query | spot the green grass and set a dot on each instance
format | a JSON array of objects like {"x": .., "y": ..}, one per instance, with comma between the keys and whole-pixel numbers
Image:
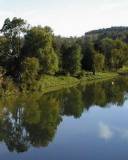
[
  {"x": 51, "y": 83},
  {"x": 99, "y": 76},
  {"x": 123, "y": 70}
]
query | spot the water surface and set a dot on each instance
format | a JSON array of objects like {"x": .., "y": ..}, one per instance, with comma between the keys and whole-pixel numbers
[{"x": 86, "y": 122}]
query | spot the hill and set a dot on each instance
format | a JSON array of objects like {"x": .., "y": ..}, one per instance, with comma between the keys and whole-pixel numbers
[{"x": 113, "y": 32}]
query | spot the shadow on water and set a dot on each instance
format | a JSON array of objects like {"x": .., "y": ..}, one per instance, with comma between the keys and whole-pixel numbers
[{"x": 32, "y": 120}]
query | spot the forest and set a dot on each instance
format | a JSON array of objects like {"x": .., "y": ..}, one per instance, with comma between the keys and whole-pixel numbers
[{"x": 28, "y": 54}]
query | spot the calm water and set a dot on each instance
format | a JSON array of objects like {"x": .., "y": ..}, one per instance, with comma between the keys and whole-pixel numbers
[{"x": 83, "y": 123}]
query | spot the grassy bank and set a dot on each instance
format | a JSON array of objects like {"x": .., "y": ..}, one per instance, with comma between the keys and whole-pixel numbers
[
  {"x": 98, "y": 77},
  {"x": 51, "y": 83},
  {"x": 123, "y": 71}
]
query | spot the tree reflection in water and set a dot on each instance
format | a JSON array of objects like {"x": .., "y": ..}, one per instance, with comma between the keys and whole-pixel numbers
[{"x": 32, "y": 119}]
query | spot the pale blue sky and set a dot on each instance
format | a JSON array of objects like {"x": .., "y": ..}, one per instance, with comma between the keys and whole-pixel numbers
[{"x": 68, "y": 17}]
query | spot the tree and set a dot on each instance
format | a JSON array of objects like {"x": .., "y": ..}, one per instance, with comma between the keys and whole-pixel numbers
[
  {"x": 107, "y": 45},
  {"x": 57, "y": 44},
  {"x": 48, "y": 60},
  {"x": 35, "y": 39},
  {"x": 76, "y": 59},
  {"x": 71, "y": 58},
  {"x": 12, "y": 31},
  {"x": 3, "y": 50},
  {"x": 39, "y": 44},
  {"x": 88, "y": 57},
  {"x": 117, "y": 58},
  {"x": 99, "y": 61},
  {"x": 30, "y": 71},
  {"x": 118, "y": 53}
]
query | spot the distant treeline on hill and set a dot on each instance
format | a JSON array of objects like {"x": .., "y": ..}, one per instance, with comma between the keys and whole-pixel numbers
[{"x": 113, "y": 32}]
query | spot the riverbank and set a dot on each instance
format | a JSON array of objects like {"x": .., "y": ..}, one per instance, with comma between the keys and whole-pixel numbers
[
  {"x": 123, "y": 71},
  {"x": 51, "y": 83}
]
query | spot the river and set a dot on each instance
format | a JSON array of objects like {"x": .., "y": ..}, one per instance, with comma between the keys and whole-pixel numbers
[{"x": 87, "y": 122}]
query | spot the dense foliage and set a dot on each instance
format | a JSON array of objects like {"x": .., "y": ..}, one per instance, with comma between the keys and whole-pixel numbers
[{"x": 27, "y": 53}]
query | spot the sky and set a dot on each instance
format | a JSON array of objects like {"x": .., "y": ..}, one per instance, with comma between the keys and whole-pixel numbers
[{"x": 67, "y": 17}]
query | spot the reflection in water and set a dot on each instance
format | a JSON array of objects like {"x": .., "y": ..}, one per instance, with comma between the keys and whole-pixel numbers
[
  {"x": 105, "y": 131},
  {"x": 32, "y": 120}
]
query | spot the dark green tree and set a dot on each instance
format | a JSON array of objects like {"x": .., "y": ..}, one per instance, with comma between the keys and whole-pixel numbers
[
  {"x": 88, "y": 57},
  {"x": 107, "y": 45},
  {"x": 12, "y": 31},
  {"x": 39, "y": 44},
  {"x": 71, "y": 59}
]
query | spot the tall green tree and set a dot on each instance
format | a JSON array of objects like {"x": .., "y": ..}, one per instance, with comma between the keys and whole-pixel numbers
[
  {"x": 107, "y": 45},
  {"x": 88, "y": 57},
  {"x": 13, "y": 31},
  {"x": 30, "y": 72},
  {"x": 48, "y": 60},
  {"x": 116, "y": 53},
  {"x": 71, "y": 58},
  {"x": 39, "y": 44},
  {"x": 3, "y": 50},
  {"x": 99, "y": 61}
]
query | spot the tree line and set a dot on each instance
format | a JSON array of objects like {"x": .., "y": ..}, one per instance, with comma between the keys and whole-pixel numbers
[{"x": 27, "y": 52}]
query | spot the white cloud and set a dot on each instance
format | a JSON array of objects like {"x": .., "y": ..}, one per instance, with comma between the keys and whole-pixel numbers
[{"x": 105, "y": 132}]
